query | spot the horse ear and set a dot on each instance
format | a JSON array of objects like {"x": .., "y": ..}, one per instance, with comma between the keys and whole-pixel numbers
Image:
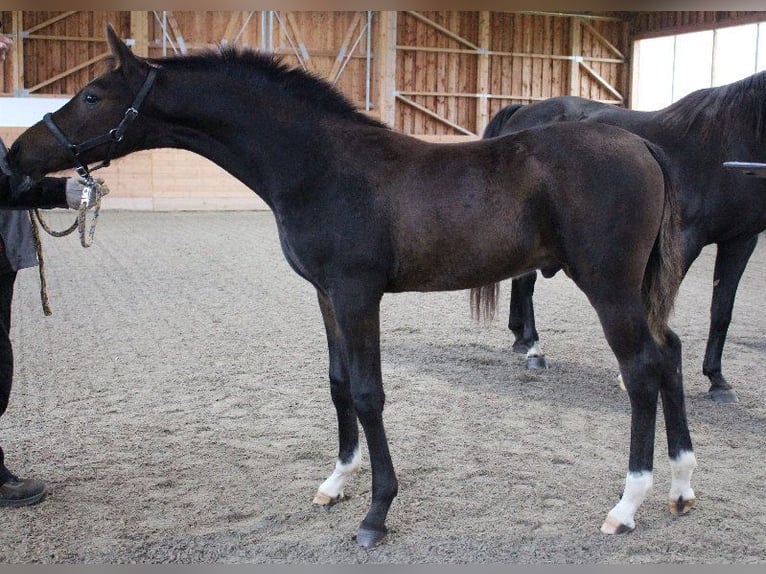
[{"x": 120, "y": 51}]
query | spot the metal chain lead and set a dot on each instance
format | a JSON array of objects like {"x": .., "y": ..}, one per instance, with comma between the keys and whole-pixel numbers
[{"x": 86, "y": 239}]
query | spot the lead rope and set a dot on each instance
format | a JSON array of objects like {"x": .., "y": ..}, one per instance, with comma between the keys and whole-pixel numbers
[{"x": 86, "y": 239}]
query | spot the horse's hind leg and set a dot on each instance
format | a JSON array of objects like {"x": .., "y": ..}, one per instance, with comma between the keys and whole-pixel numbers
[
  {"x": 680, "y": 450},
  {"x": 349, "y": 458},
  {"x": 730, "y": 262},
  {"x": 521, "y": 321},
  {"x": 641, "y": 364}
]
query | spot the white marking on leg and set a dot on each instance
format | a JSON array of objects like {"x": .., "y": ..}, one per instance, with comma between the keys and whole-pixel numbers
[
  {"x": 681, "y": 470},
  {"x": 535, "y": 350},
  {"x": 637, "y": 486},
  {"x": 332, "y": 489}
]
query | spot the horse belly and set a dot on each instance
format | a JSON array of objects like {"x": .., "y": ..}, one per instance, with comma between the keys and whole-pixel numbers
[{"x": 465, "y": 255}]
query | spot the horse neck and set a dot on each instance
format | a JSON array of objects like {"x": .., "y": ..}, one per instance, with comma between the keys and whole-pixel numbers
[{"x": 268, "y": 152}]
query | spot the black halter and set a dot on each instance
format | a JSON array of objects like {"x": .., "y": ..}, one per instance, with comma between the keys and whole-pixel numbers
[{"x": 111, "y": 137}]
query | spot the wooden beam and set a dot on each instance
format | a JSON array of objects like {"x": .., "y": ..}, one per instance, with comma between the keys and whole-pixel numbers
[
  {"x": 602, "y": 81},
  {"x": 442, "y": 29},
  {"x": 603, "y": 40},
  {"x": 17, "y": 55},
  {"x": 386, "y": 60},
  {"x": 404, "y": 48},
  {"x": 434, "y": 115},
  {"x": 65, "y": 73},
  {"x": 575, "y": 49},
  {"x": 482, "y": 72},
  {"x": 50, "y": 21},
  {"x": 139, "y": 31}
]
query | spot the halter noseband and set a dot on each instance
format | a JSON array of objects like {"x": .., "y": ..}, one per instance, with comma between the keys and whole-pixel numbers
[{"x": 112, "y": 137}]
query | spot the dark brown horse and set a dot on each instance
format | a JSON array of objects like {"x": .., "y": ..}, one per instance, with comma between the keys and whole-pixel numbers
[
  {"x": 718, "y": 205},
  {"x": 362, "y": 210}
]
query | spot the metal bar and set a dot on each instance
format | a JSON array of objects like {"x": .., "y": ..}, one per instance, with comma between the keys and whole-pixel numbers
[
  {"x": 245, "y": 24},
  {"x": 344, "y": 48}
]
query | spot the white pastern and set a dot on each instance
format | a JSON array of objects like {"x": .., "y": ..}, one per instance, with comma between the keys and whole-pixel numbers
[
  {"x": 681, "y": 470},
  {"x": 332, "y": 489},
  {"x": 637, "y": 486},
  {"x": 535, "y": 350}
]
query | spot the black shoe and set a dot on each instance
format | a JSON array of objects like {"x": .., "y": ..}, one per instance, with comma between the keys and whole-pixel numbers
[{"x": 16, "y": 492}]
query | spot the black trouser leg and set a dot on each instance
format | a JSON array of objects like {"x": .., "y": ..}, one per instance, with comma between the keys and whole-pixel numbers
[{"x": 7, "y": 279}]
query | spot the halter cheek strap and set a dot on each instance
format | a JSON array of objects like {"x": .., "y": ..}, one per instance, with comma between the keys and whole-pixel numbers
[{"x": 112, "y": 137}]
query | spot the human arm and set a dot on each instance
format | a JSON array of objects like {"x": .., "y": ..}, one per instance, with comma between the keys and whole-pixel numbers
[{"x": 47, "y": 193}]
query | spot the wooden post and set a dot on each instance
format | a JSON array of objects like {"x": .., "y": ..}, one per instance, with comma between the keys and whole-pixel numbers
[
  {"x": 387, "y": 67},
  {"x": 17, "y": 56},
  {"x": 139, "y": 31},
  {"x": 482, "y": 81},
  {"x": 576, "y": 52}
]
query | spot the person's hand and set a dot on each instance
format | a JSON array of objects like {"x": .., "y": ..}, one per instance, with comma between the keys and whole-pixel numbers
[
  {"x": 5, "y": 45},
  {"x": 78, "y": 192}
]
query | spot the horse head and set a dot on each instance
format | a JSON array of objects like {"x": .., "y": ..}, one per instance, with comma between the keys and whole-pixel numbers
[{"x": 93, "y": 125}]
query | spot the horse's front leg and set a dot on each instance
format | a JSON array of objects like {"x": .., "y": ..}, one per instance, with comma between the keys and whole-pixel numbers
[
  {"x": 357, "y": 314},
  {"x": 349, "y": 458},
  {"x": 730, "y": 262}
]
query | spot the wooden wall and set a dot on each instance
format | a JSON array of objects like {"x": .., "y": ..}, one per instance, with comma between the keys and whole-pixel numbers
[{"x": 438, "y": 75}]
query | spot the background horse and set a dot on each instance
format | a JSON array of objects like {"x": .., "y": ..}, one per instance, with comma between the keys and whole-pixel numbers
[
  {"x": 718, "y": 205},
  {"x": 362, "y": 210}
]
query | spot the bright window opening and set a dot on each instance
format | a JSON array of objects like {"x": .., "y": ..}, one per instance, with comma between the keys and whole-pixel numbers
[{"x": 669, "y": 68}]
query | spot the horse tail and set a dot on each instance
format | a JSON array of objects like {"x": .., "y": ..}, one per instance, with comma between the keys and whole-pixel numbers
[
  {"x": 495, "y": 126},
  {"x": 664, "y": 270},
  {"x": 484, "y": 301}
]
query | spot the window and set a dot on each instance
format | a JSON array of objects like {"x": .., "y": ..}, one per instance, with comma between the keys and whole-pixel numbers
[{"x": 669, "y": 68}]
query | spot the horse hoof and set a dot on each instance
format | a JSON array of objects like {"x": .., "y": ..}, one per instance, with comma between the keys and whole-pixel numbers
[
  {"x": 537, "y": 362},
  {"x": 613, "y": 526},
  {"x": 322, "y": 499},
  {"x": 723, "y": 396},
  {"x": 680, "y": 507},
  {"x": 369, "y": 537},
  {"x": 520, "y": 347}
]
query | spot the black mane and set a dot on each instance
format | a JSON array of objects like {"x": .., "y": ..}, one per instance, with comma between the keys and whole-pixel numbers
[
  {"x": 723, "y": 106},
  {"x": 258, "y": 67}
]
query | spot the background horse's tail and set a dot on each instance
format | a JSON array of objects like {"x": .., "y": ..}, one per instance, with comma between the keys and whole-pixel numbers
[
  {"x": 664, "y": 270},
  {"x": 495, "y": 125},
  {"x": 484, "y": 301}
]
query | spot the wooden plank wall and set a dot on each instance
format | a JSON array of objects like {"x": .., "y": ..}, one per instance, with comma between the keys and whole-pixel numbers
[{"x": 450, "y": 71}]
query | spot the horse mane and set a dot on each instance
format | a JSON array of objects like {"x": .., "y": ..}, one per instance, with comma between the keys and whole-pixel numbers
[
  {"x": 265, "y": 68},
  {"x": 721, "y": 112}
]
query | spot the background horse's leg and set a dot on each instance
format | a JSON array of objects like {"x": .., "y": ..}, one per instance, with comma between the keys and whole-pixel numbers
[
  {"x": 357, "y": 312},
  {"x": 680, "y": 450},
  {"x": 349, "y": 458},
  {"x": 730, "y": 262},
  {"x": 641, "y": 364},
  {"x": 521, "y": 321}
]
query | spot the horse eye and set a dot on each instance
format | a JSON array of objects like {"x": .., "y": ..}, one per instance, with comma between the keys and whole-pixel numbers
[{"x": 90, "y": 98}]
